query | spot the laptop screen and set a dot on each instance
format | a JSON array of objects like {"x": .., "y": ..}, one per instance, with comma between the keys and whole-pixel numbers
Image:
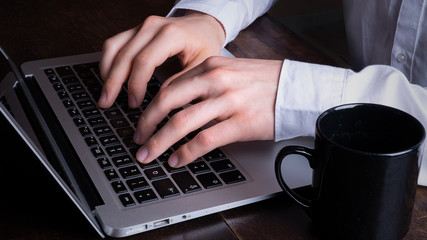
[{"x": 21, "y": 106}]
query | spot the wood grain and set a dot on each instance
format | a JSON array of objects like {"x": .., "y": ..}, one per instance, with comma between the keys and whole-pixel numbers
[{"x": 33, "y": 207}]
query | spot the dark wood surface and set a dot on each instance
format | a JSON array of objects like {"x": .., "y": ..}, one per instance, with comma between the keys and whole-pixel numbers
[{"x": 32, "y": 206}]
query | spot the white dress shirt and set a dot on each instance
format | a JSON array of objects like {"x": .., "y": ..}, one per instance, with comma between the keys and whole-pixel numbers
[{"x": 387, "y": 41}]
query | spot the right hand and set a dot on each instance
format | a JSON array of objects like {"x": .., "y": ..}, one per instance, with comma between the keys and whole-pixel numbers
[{"x": 135, "y": 53}]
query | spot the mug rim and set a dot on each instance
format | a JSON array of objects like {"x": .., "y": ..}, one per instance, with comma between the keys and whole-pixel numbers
[{"x": 353, "y": 105}]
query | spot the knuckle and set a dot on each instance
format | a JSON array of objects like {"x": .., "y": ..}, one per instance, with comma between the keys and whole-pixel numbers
[
  {"x": 151, "y": 21},
  {"x": 122, "y": 54},
  {"x": 219, "y": 73},
  {"x": 179, "y": 120},
  {"x": 160, "y": 101},
  {"x": 205, "y": 139},
  {"x": 108, "y": 44},
  {"x": 163, "y": 94},
  {"x": 153, "y": 144},
  {"x": 211, "y": 61},
  {"x": 141, "y": 59},
  {"x": 186, "y": 155},
  {"x": 233, "y": 99},
  {"x": 170, "y": 29}
]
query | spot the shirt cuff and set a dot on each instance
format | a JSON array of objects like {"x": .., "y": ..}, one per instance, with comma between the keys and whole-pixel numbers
[
  {"x": 305, "y": 91},
  {"x": 233, "y": 15}
]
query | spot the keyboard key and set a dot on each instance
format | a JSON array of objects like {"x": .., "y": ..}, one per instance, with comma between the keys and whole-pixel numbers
[
  {"x": 109, "y": 140},
  {"x": 232, "y": 177},
  {"x": 75, "y": 88},
  {"x": 149, "y": 165},
  {"x": 165, "y": 156},
  {"x": 114, "y": 113},
  {"x": 126, "y": 200},
  {"x": 214, "y": 155},
  {"x": 119, "y": 187},
  {"x": 58, "y": 86},
  {"x": 91, "y": 141},
  {"x": 115, "y": 150},
  {"x": 70, "y": 80},
  {"x": 111, "y": 174},
  {"x": 144, "y": 196},
  {"x": 125, "y": 132},
  {"x": 64, "y": 71},
  {"x": 85, "y": 131},
  {"x": 49, "y": 72},
  {"x": 137, "y": 183},
  {"x": 130, "y": 172},
  {"x": 68, "y": 103},
  {"x": 119, "y": 123},
  {"x": 62, "y": 94},
  {"x": 133, "y": 117},
  {"x": 101, "y": 131},
  {"x": 128, "y": 141},
  {"x": 85, "y": 104},
  {"x": 97, "y": 121},
  {"x": 93, "y": 112},
  {"x": 222, "y": 166},
  {"x": 172, "y": 169},
  {"x": 198, "y": 167},
  {"x": 186, "y": 182},
  {"x": 79, "y": 121},
  {"x": 155, "y": 173},
  {"x": 73, "y": 112},
  {"x": 104, "y": 163},
  {"x": 122, "y": 161},
  {"x": 97, "y": 152},
  {"x": 165, "y": 188},
  {"x": 80, "y": 96},
  {"x": 209, "y": 180}
]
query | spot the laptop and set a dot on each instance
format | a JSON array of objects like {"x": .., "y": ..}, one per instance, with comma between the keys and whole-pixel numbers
[{"x": 89, "y": 152}]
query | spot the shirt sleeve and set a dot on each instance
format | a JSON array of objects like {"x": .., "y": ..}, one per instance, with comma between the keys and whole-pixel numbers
[
  {"x": 233, "y": 15},
  {"x": 306, "y": 90}
]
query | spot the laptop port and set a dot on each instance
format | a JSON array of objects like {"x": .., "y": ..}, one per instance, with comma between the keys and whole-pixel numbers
[{"x": 161, "y": 223}]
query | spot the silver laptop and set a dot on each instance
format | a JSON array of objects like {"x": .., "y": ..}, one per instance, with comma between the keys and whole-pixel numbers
[{"x": 51, "y": 103}]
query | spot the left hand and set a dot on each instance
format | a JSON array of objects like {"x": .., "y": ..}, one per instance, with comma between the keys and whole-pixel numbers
[{"x": 239, "y": 94}]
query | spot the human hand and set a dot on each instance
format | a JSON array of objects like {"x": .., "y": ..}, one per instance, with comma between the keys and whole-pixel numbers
[
  {"x": 239, "y": 94},
  {"x": 135, "y": 53}
]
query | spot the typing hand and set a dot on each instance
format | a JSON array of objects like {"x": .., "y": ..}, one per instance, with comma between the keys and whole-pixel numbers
[
  {"x": 238, "y": 93},
  {"x": 135, "y": 53}
]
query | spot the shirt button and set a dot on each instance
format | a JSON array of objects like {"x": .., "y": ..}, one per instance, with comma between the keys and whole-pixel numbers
[{"x": 401, "y": 57}]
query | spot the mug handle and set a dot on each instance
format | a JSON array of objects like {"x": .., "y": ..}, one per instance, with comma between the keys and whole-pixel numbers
[{"x": 299, "y": 150}]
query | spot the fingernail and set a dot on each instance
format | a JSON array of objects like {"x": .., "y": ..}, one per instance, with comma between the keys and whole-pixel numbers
[
  {"x": 173, "y": 160},
  {"x": 142, "y": 154},
  {"x": 132, "y": 101},
  {"x": 102, "y": 98}
]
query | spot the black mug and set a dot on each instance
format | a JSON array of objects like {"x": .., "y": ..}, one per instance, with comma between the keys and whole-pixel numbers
[{"x": 365, "y": 165}]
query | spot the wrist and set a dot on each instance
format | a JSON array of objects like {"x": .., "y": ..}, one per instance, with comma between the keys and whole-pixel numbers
[{"x": 213, "y": 23}]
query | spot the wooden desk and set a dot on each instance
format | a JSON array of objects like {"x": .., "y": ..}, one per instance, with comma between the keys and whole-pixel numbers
[{"x": 34, "y": 207}]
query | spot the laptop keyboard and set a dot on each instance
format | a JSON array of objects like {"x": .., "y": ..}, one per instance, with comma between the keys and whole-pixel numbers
[{"x": 108, "y": 133}]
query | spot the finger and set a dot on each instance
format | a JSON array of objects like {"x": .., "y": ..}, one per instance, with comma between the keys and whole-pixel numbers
[
  {"x": 110, "y": 49},
  {"x": 220, "y": 134},
  {"x": 122, "y": 59},
  {"x": 166, "y": 100},
  {"x": 153, "y": 55},
  {"x": 121, "y": 68},
  {"x": 195, "y": 68},
  {"x": 182, "y": 123},
  {"x": 192, "y": 69}
]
